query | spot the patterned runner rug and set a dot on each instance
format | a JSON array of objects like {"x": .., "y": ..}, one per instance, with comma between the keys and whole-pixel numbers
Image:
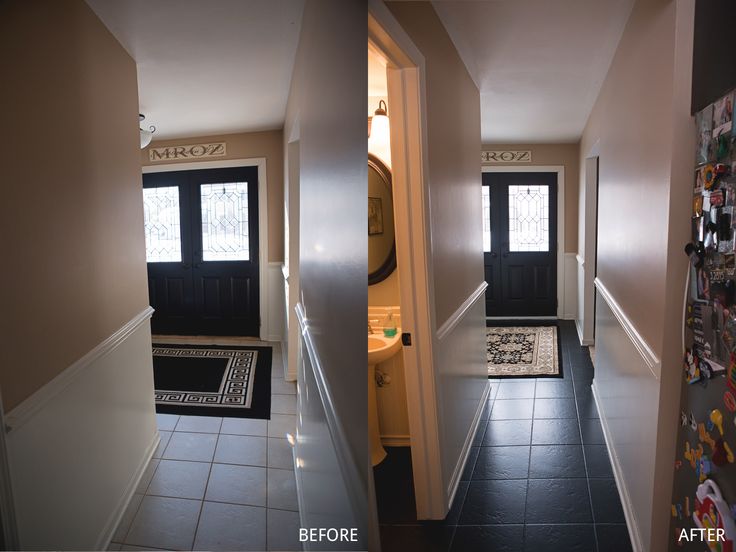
[
  {"x": 212, "y": 380},
  {"x": 522, "y": 351}
]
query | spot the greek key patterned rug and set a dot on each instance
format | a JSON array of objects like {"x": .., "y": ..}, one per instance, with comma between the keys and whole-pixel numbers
[
  {"x": 522, "y": 351},
  {"x": 211, "y": 380}
]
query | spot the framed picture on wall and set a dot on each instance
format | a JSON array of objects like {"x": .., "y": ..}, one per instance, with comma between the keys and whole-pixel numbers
[{"x": 375, "y": 216}]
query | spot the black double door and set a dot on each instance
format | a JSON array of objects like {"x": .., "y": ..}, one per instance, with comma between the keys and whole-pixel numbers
[
  {"x": 202, "y": 251},
  {"x": 520, "y": 244}
]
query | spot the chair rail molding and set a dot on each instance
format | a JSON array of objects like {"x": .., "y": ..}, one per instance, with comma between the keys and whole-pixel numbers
[{"x": 456, "y": 317}]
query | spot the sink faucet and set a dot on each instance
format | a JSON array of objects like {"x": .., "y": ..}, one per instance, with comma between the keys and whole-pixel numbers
[{"x": 370, "y": 328}]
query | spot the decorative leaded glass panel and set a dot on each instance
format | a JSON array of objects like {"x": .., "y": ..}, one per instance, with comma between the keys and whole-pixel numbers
[
  {"x": 486, "y": 218},
  {"x": 225, "y": 221},
  {"x": 528, "y": 218},
  {"x": 162, "y": 225}
]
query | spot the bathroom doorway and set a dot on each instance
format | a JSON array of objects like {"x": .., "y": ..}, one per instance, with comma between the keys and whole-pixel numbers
[{"x": 407, "y": 116}]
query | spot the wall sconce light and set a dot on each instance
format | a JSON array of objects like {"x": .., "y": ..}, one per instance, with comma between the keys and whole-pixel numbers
[
  {"x": 379, "y": 134},
  {"x": 146, "y": 135}
]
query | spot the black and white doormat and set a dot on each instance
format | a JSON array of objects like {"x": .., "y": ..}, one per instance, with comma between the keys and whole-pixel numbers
[
  {"x": 212, "y": 380},
  {"x": 523, "y": 351}
]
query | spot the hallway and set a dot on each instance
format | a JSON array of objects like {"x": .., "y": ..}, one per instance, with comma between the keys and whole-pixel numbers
[
  {"x": 540, "y": 453},
  {"x": 219, "y": 483}
]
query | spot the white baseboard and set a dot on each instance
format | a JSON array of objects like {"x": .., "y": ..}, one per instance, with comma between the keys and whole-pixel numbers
[
  {"x": 83, "y": 440},
  {"x": 583, "y": 342},
  {"x": 109, "y": 531},
  {"x": 626, "y": 503},
  {"x": 460, "y": 466}
]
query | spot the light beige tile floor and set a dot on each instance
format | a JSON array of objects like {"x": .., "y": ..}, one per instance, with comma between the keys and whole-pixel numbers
[{"x": 219, "y": 483}]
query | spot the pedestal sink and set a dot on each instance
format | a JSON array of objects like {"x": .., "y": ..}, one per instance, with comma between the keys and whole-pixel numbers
[{"x": 380, "y": 348}]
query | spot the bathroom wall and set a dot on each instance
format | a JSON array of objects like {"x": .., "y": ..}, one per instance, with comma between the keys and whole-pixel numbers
[
  {"x": 453, "y": 181},
  {"x": 642, "y": 125},
  {"x": 268, "y": 144}
]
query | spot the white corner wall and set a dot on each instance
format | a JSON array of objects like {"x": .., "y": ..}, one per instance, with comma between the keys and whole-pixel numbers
[{"x": 78, "y": 447}]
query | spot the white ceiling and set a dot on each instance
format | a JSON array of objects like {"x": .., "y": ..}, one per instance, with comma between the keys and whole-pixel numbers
[
  {"x": 208, "y": 67},
  {"x": 539, "y": 64}
]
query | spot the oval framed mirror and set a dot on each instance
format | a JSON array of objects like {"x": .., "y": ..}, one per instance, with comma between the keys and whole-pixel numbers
[{"x": 381, "y": 238}]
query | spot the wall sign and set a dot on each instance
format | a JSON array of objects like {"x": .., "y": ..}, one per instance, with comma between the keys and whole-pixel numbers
[
  {"x": 194, "y": 151},
  {"x": 506, "y": 156}
]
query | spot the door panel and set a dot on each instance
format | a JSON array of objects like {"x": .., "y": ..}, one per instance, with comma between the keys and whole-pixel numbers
[
  {"x": 213, "y": 288},
  {"x": 520, "y": 228}
]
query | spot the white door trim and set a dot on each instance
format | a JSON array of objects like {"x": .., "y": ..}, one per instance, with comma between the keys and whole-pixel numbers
[
  {"x": 560, "y": 170},
  {"x": 407, "y": 105},
  {"x": 259, "y": 162},
  {"x": 9, "y": 526}
]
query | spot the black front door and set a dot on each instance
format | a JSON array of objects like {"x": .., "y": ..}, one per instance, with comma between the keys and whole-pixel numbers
[
  {"x": 202, "y": 251},
  {"x": 520, "y": 243}
]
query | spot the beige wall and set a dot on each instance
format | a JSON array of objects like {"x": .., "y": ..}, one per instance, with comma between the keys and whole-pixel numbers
[
  {"x": 566, "y": 155},
  {"x": 642, "y": 131},
  {"x": 453, "y": 134},
  {"x": 267, "y": 144},
  {"x": 72, "y": 210}
]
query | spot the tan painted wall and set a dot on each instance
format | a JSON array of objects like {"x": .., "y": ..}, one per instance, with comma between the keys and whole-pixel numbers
[
  {"x": 72, "y": 211},
  {"x": 453, "y": 132},
  {"x": 566, "y": 155},
  {"x": 267, "y": 144},
  {"x": 642, "y": 129}
]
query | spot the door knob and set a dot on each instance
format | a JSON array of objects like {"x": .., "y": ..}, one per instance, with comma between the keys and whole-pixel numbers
[{"x": 494, "y": 254}]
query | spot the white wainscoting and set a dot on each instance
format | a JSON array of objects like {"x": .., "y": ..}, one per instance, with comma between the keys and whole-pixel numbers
[
  {"x": 461, "y": 374},
  {"x": 570, "y": 301},
  {"x": 79, "y": 445},
  {"x": 327, "y": 480},
  {"x": 276, "y": 307},
  {"x": 626, "y": 391}
]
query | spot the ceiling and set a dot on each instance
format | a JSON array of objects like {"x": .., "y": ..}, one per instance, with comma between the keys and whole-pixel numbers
[
  {"x": 208, "y": 67},
  {"x": 539, "y": 64}
]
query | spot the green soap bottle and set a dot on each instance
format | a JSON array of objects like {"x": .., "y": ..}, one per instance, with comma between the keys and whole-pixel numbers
[{"x": 389, "y": 325}]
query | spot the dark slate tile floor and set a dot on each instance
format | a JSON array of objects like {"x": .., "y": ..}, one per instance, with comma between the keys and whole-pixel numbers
[{"x": 538, "y": 478}]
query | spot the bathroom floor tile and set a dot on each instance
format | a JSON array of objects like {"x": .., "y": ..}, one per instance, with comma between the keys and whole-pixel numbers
[
  {"x": 147, "y": 476},
  {"x": 127, "y": 519},
  {"x": 558, "y": 501},
  {"x": 502, "y": 463},
  {"x": 457, "y": 503},
  {"x": 597, "y": 460},
  {"x": 467, "y": 474},
  {"x": 507, "y": 432},
  {"x": 592, "y": 431},
  {"x": 231, "y": 527}
]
